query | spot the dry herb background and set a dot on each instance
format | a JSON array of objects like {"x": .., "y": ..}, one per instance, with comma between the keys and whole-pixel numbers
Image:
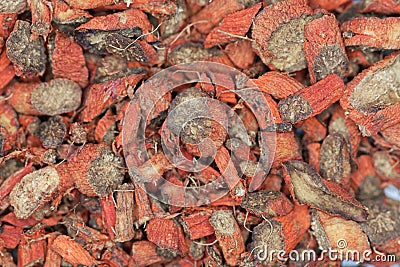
[{"x": 329, "y": 70}]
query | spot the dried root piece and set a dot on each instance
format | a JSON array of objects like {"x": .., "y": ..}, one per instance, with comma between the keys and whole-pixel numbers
[
  {"x": 197, "y": 225},
  {"x": 102, "y": 95},
  {"x": 241, "y": 54},
  {"x": 131, "y": 23},
  {"x": 77, "y": 229},
  {"x": 131, "y": 49},
  {"x": 312, "y": 100},
  {"x": 336, "y": 233},
  {"x": 226, "y": 167},
  {"x": 67, "y": 60},
  {"x": 235, "y": 24},
  {"x": 52, "y": 257},
  {"x": 334, "y": 160},
  {"x": 228, "y": 234},
  {"x": 278, "y": 84},
  {"x": 41, "y": 18},
  {"x": 97, "y": 171},
  {"x": 287, "y": 148},
  {"x": 143, "y": 210},
  {"x": 213, "y": 13},
  {"x": 267, "y": 203},
  {"x": 65, "y": 17},
  {"x": 372, "y": 98},
  {"x": 307, "y": 187},
  {"x": 108, "y": 214},
  {"x": 294, "y": 225},
  {"x": 167, "y": 234},
  {"x": 116, "y": 256},
  {"x": 39, "y": 188},
  {"x": 32, "y": 248},
  {"x": 144, "y": 254},
  {"x": 380, "y": 6},
  {"x": 72, "y": 251},
  {"x": 125, "y": 203},
  {"x": 328, "y": 4},
  {"x": 324, "y": 48},
  {"x": 27, "y": 55},
  {"x": 278, "y": 31},
  {"x": 282, "y": 233},
  {"x": 383, "y": 227},
  {"x": 340, "y": 124},
  {"x": 56, "y": 97},
  {"x": 372, "y": 32}
]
